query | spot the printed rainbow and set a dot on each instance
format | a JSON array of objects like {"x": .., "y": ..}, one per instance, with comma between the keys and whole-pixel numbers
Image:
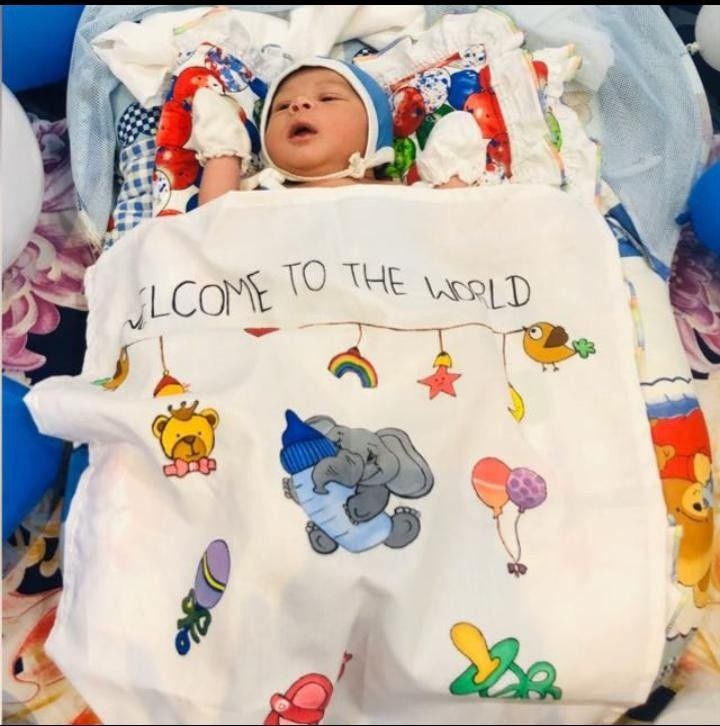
[{"x": 350, "y": 361}]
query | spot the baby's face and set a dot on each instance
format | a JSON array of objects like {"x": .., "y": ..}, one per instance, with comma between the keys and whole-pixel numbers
[{"x": 316, "y": 123}]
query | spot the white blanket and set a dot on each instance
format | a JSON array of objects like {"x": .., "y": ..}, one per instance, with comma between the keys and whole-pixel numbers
[
  {"x": 143, "y": 55},
  {"x": 499, "y": 481}
]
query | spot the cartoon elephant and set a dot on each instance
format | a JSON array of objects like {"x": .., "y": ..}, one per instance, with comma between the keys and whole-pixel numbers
[{"x": 348, "y": 489}]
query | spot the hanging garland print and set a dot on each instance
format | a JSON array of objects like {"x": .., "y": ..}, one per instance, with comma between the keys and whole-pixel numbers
[{"x": 542, "y": 342}]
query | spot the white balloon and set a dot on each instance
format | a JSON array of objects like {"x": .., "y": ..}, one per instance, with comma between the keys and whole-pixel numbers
[
  {"x": 707, "y": 34},
  {"x": 23, "y": 179}
]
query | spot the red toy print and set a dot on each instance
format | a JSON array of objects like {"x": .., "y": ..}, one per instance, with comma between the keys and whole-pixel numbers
[
  {"x": 303, "y": 703},
  {"x": 175, "y": 124},
  {"x": 179, "y": 165},
  {"x": 189, "y": 80},
  {"x": 408, "y": 111}
]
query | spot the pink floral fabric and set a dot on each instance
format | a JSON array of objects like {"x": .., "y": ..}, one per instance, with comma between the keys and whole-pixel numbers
[
  {"x": 50, "y": 270},
  {"x": 695, "y": 297}
]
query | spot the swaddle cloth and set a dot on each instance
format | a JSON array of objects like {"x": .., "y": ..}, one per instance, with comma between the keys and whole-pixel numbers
[{"x": 368, "y": 454}]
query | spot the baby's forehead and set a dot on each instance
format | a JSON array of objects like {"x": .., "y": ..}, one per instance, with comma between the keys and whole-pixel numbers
[{"x": 312, "y": 78}]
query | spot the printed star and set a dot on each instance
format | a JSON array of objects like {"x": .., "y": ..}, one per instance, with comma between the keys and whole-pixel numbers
[{"x": 441, "y": 382}]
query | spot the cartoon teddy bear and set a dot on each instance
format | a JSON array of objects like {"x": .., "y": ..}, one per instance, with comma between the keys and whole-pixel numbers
[
  {"x": 686, "y": 504},
  {"x": 682, "y": 450},
  {"x": 187, "y": 438}
]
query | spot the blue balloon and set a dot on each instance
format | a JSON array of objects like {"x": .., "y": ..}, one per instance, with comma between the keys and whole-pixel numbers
[
  {"x": 462, "y": 85},
  {"x": 704, "y": 208},
  {"x": 36, "y": 44},
  {"x": 31, "y": 461}
]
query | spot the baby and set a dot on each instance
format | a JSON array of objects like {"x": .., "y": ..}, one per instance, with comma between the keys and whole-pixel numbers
[{"x": 324, "y": 123}]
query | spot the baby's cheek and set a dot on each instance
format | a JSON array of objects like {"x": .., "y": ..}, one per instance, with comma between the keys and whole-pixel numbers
[{"x": 273, "y": 140}]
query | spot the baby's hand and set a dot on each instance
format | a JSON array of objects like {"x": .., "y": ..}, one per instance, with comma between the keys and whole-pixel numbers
[
  {"x": 218, "y": 128},
  {"x": 455, "y": 152},
  {"x": 454, "y": 182}
]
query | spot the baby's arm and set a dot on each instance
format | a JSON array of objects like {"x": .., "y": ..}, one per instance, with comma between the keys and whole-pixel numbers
[
  {"x": 221, "y": 141},
  {"x": 222, "y": 174}
]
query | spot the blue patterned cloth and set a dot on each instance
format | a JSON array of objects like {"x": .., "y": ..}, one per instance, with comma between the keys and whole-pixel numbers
[
  {"x": 137, "y": 121},
  {"x": 135, "y": 199},
  {"x": 136, "y": 130}
]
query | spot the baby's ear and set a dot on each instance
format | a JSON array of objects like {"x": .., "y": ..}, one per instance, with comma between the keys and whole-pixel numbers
[
  {"x": 702, "y": 468},
  {"x": 212, "y": 416},
  {"x": 159, "y": 425}
]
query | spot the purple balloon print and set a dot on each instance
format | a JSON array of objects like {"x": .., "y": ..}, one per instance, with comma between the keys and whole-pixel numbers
[{"x": 526, "y": 488}]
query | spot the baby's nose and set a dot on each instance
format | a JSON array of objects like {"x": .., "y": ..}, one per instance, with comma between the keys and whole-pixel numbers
[{"x": 301, "y": 103}]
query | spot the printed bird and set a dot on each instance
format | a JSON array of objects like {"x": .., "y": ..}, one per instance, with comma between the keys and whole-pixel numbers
[
  {"x": 122, "y": 369},
  {"x": 545, "y": 343}
]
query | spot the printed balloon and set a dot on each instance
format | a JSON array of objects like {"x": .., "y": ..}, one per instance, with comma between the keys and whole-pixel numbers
[
  {"x": 486, "y": 112},
  {"x": 408, "y": 111},
  {"x": 489, "y": 477},
  {"x": 526, "y": 489},
  {"x": 462, "y": 85}
]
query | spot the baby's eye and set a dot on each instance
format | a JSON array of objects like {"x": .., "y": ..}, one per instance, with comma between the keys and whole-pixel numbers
[
  {"x": 328, "y": 98},
  {"x": 281, "y": 107}
]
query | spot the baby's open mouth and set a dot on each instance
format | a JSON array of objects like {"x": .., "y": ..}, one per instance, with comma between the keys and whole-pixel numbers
[{"x": 301, "y": 130}]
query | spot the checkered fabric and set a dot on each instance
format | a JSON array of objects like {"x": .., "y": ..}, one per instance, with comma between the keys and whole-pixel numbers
[
  {"x": 137, "y": 121},
  {"x": 135, "y": 199}
]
